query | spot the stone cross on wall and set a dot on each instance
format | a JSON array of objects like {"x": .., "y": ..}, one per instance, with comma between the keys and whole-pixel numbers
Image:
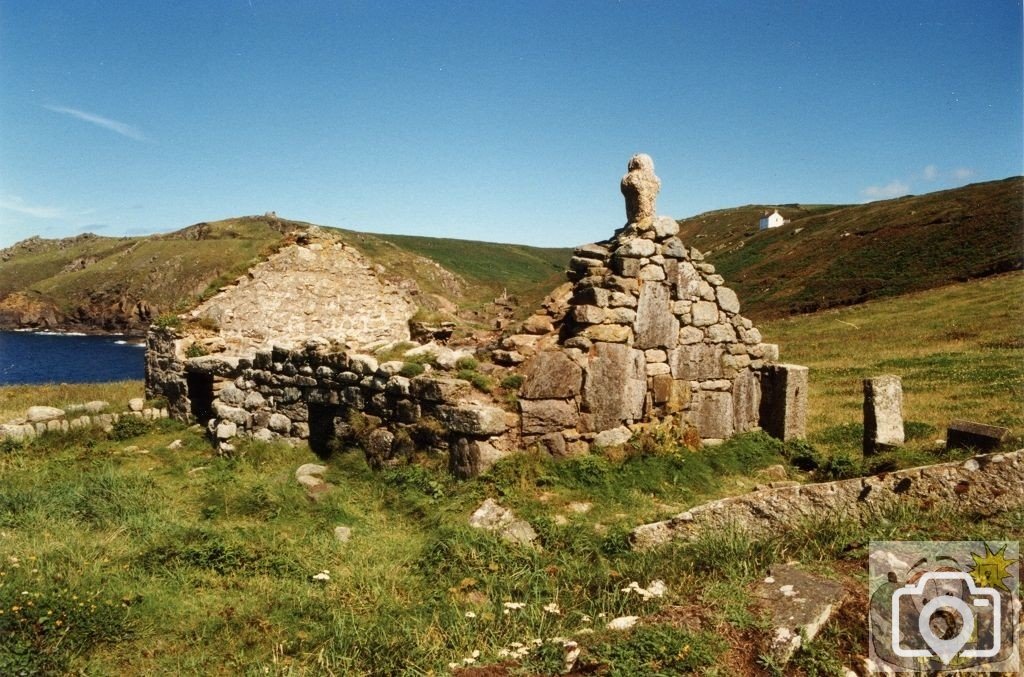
[{"x": 640, "y": 188}]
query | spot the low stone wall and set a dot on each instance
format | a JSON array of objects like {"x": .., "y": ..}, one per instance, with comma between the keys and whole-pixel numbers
[
  {"x": 983, "y": 485},
  {"x": 40, "y": 420},
  {"x": 320, "y": 395}
]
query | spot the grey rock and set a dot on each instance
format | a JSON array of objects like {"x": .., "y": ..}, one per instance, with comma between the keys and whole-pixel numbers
[
  {"x": 798, "y": 604},
  {"x": 226, "y": 430},
  {"x": 613, "y": 437},
  {"x": 545, "y": 416},
  {"x": 592, "y": 251},
  {"x": 310, "y": 470},
  {"x": 727, "y": 300},
  {"x": 704, "y": 313},
  {"x": 232, "y": 396},
  {"x": 379, "y": 444},
  {"x": 280, "y": 423},
  {"x": 640, "y": 188},
  {"x": 615, "y": 385},
  {"x": 551, "y": 375},
  {"x": 970, "y": 435},
  {"x": 636, "y": 248},
  {"x": 491, "y": 516},
  {"x": 342, "y": 534},
  {"x": 883, "y": 413},
  {"x": 95, "y": 406},
  {"x": 588, "y": 314},
  {"x": 713, "y": 415},
  {"x": 439, "y": 389},
  {"x": 673, "y": 247},
  {"x": 784, "y": 401},
  {"x": 41, "y": 414},
  {"x": 697, "y": 362},
  {"x": 472, "y": 419},
  {"x": 665, "y": 227},
  {"x": 508, "y": 357},
  {"x": 136, "y": 404},
  {"x": 655, "y": 325}
]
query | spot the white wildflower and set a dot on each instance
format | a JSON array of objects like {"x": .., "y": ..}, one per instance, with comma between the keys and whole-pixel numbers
[
  {"x": 470, "y": 614},
  {"x": 552, "y": 608},
  {"x": 323, "y": 576}
]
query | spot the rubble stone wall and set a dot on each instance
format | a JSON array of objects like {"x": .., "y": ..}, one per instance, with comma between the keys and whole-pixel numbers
[
  {"x": 319, "y": 394},
  {"x": 982, "y": 485}
]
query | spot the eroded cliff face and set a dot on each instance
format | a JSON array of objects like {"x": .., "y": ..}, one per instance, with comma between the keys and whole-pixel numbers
[{"x": 318, "y": 287}]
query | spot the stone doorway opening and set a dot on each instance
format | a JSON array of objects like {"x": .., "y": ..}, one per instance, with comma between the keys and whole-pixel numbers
[
  {"x": 200, "y": 395},
  {"x": 322, "y": 427}
]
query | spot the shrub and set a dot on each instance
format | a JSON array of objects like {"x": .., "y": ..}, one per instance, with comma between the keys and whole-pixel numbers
[
  {"x": 512, "y": 382},
  {"x": 802, "y": 454},
  {"x": 126, "y": 427},
  {"x": 481, "y": 382},
  {"x": 411, "y": 369},
  {"x": 839, "y": 466},
  {"x": 467, "y": 363},
  {"x": 168, "y": 320},
  {"x": 195, "y": 350}
]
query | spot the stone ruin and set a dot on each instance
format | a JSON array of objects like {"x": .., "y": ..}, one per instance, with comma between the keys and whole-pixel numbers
[{"x": 644, "y": 335}]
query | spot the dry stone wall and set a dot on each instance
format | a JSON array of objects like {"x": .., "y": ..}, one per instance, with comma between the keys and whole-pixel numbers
[{"x": 319, "y": 394}]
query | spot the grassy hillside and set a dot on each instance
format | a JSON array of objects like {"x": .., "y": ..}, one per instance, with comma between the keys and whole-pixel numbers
[
  {"x": 830, "y": 255},
  {"x": 486, "y": 270},
  {"x": 91, "y": 282},
  {"x": 121, "y": 284}
]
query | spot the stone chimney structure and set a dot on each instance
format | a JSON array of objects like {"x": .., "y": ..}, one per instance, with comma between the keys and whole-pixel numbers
[{"x": 652, "y": 336}]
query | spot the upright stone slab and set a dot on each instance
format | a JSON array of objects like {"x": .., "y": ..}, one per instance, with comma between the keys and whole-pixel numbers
[
  {"x": 615, "y": 386},
  {"x": 784, "y": 401},
  {"x": 655, "y": 325},
  {"x": 883, "y": 413}
]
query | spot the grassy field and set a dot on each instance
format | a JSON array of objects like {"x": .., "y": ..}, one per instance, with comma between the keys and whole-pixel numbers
[
  {"x": 958, "y": 349},
  {"x": 119, "y": 555}
]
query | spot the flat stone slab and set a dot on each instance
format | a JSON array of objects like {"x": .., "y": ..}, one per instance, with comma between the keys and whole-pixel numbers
[
  {"x": 970, "y": 435},
  {"x": 798, "y": 604},
  {"x": 41, "y": 414}
]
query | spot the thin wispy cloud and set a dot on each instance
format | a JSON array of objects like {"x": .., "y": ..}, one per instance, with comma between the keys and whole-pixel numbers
[
  {"x": 894, "y": 188},
  {"x": 962, "y": 173},
  {"x": 930, "y": 173},
  {"x": 100, "y": 121},
  {"x": 15, "y": 204}
]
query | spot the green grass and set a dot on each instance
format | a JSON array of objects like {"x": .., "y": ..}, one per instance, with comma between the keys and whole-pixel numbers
[
  {"x": 14, "y": 400},
  {"x": 957, "y": 350}
]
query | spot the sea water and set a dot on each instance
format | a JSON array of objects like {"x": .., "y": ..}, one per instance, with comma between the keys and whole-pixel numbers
[{"x": 50, "y": 357}]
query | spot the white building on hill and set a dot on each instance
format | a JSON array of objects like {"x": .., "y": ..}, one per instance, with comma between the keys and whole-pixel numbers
[{"x": 773, "y": 220}]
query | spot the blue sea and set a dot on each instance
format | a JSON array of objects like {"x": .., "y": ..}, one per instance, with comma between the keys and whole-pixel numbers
[{"x": 47, "y": 357}]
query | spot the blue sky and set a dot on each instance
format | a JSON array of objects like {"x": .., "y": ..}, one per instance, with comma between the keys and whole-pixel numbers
[{"x": 501, "y": 121}]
